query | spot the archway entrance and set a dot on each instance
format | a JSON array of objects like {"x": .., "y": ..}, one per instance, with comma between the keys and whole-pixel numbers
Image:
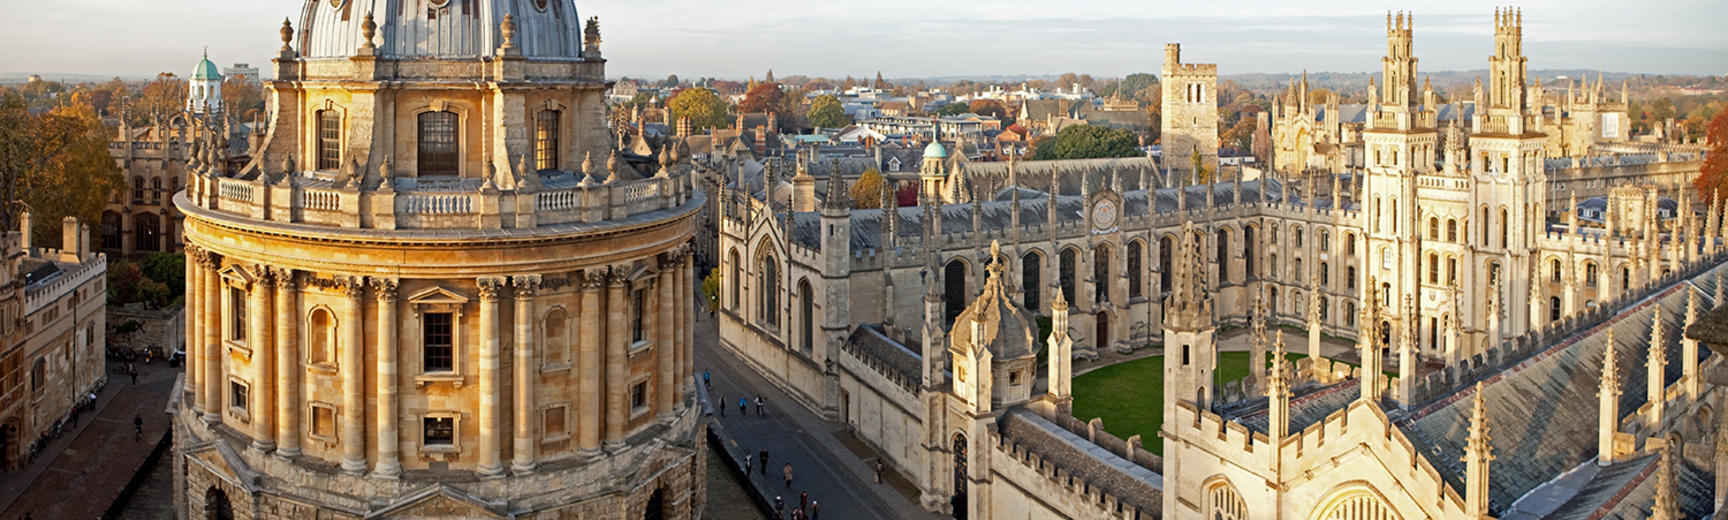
[
  {"x": 655, "y": 509},
  {"x": 1103, "y": 332},
  {"x": 216, "y": 506}
]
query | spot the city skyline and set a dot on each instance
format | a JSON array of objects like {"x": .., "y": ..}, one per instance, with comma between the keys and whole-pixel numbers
[{"x": 1101, "y": 37}]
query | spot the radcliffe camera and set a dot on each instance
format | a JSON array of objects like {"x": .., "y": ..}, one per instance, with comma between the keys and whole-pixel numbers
[{"x": 627, "y": 260}]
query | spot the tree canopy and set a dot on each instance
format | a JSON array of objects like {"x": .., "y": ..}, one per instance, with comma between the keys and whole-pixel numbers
[
  {"x": 993, "y": 109},
  {"x": 1086, "y": 142},
  {"x": 705, "y": 109},
  {"x": 1713, "y": 175},
  {"x": 867, "y": 191},
  {"x": 952, "y": 109},
  {"x": 56, "y": 163},
  {"x": 826, "y": 112}
]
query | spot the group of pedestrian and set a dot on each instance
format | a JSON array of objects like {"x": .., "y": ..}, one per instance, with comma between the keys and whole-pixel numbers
[{"x": 807, "y": 509}]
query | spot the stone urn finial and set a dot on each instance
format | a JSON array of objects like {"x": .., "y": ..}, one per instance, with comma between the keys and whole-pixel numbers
[
  {"x": 287, "y": 35},
  {"x": 508, "y": 29},
  {"x": 368, "y": 29}
]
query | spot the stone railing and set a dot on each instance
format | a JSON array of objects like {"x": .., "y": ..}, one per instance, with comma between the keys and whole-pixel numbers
[{"x": 437, "y": 205}]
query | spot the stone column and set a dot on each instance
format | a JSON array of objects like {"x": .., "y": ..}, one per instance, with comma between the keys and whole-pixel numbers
[
  {"x": 353, "y": 378},
  {"x": 258, "y": 319},
  {"x": 523, "y": 430},
  {"x": 194, "y": 324},
  {"x": 489, "y": 465},
  {"x": 389, "y": 465},
  {"x": 212, "y": 349},
  {"x": 588, "y": 363},
  {"x": 288, "y": 364},
  {"x": 686, "y": 300},
  {"x": 617, "y": 355},
  {"x": 664, "y": 344}
]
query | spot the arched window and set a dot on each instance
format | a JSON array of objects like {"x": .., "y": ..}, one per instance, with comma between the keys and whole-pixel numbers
[
  {"x": 1296, "y": 237},
  {"x": 806, "y": 316},
  {"x": 1433, "y": 268},
  {"x": 1325, "y": 240},
  {"x": 1101, "y": 273},
  {"x": 1223, "y": 256},
  {"x": 438, "y": 149},
  {"x": 961, "y": 481},
  {"x": 330, "y": 139},
  {"x": 737, "y": 275},
  {"x": 1376, "y": 214},
  {"x": 1325, "y": 274},
  {"x": 954, "y": 298},
  {"x": 1164, "y": 245},
  {"x": 1350, "y": 277},
  {"x": 111, "y": 234},
  {"x": 321, "y": 337},
  {"x": 1350, "y": 244},
  {"x": 1433, "y": 228},
  {"x": 1272, "y": 299},
  {"x": 1625, "y": 278},
  {"x": 1135, "y": 280},
  {"x": 1504, "y": 240},
  {"x": 147, "y": 230},
  {"x": 546, "y": 140},
  {"x": 556, "y": 328},
  {"x": 137, "y": 190},
  {"x": 1349, "y": 314},
  {"x": 1451, "y": 270},
  {"x": 1554, "y": 268},
  {"x": 1066, "y": 273},
  {"x": 1248, "y": 253},
  {"x": 1031, "y": 266},
  {"x": 770, "y": 309},
  {"x": 1483, "y": 223},
  {"x": 1554, "y": 308},
  {"x": 1451, "y": 230},
  {"x": 155, "y": 189},
  {"x": 1223, "y": 503},
  {"x": 1590, "y": 274}
]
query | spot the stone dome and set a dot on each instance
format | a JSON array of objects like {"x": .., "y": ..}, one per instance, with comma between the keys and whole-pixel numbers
[
  {"x": 545, "y": 29},
  {"x": 935, "y": 151},
  {"x": 206, "y": 70},
  {"x": 1004, "y": 327}
]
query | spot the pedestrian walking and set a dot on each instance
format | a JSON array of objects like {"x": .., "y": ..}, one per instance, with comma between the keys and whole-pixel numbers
[
  {"x": 815, "y": 509},
  {"x": 705, "y": 381},
  {"x": 743, "y": 407},
  {"x": 137, "y": 427},
  {"x": 779, "y": 507},
  {"x": 879, "y": 471},
  {"x": 134, "y": 374},
  {"x": 788, "y": 473},
  {"x": 803, "y": 500},
  {"x": 759, "y": 407},
  {"x": 722, "y": 406},
  {"x": 746, "y": 464},
  {"x": 764, "y": 459}
]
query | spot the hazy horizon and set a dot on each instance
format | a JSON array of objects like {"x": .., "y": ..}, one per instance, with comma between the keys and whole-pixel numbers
[{"x": 908, "y": 39}]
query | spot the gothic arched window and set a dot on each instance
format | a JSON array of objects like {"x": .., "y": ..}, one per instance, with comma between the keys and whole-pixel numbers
[{"x": 1031, "y": 266}]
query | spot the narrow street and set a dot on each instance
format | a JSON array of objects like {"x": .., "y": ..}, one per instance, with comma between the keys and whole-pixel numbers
[{"x": 822, "y": 465}]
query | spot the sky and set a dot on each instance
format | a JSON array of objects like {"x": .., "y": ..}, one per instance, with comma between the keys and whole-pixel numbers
[{"x": 931, "y": 38}]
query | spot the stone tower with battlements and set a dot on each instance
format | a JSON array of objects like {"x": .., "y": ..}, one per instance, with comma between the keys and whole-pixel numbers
[{"x": 1190, "y": 119}]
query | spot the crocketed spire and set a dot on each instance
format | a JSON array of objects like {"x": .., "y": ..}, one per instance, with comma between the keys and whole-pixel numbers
[{"x": 1190, "y": 305}]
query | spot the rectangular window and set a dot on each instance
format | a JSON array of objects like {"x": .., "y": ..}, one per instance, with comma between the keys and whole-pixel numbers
[
  {"x": 639, "y": 396},
  {"x": 323, "y": 421},
  {"x": 237, "y": 314},
  {"x": 552, "y": 422},
  {"x": 439, "y": 352},
  {"x": 438, "y": 153},
  {"x": 638, "y": 299},
  {"x": 440, "y": 431},
  {"x": 329, "y": 140},
  {"x": 546, "y": 140},
  {"x": 237, "y": 393}
]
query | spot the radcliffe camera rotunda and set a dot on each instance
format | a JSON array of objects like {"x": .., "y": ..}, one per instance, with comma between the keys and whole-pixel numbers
[{"x": 438, "y": 289}]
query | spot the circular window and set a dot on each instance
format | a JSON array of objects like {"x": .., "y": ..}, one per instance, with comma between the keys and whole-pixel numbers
[{"x": 540, "y": 4}]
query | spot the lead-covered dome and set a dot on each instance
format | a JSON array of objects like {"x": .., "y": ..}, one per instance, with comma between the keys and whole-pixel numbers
[{"x": 545, "y": 29}]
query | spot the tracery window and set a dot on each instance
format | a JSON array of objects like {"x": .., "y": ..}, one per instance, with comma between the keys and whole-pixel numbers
[
  {"x": 1030, "y": 269},
  {"x": 1224, "y": 503},
  {"x": 1357, "y": 506}
]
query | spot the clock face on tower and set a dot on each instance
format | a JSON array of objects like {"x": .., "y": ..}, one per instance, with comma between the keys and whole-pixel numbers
[{"x": 1104, "y": 215}]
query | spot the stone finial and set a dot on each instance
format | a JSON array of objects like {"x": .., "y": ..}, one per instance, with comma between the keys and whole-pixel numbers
[
  {"x": 287, "y": 35},
  {"x": 386, "y": 175},
  {"x": 368, "y": 31},
  {"x": 1667, "y": 506},
  {"x": 612, "y": 168},
  {"x": 529, "y": 178},
  {"x": 507, "y": 29},
  {"x": 588, "y": 170},
  {"x": 591, "y": 39}
]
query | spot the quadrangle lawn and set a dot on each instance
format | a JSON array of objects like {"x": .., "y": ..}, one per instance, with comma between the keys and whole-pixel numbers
[{"x": 1129, "y": 396}]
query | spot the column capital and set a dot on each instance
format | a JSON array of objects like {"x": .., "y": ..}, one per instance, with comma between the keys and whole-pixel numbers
[
  {"x": 593, "y": 279},
  {"x": 285, "y": 277},
  {"x": 385, "y": 289},
  {"x": 489, "y": 287},
  {"x": 354, "y": 287},
  {"x": 526, "y": 285},
  {"x": 266, "y": 277},
  {"x": 620, "y": 274}
]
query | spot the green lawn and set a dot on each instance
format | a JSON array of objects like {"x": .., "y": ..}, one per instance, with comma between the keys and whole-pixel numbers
[{"x": 1130, "y": 396}]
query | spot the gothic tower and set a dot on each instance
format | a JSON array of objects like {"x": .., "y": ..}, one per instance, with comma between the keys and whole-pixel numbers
[
  {"x": 1191, "y": 352},
  {"x": 1507, "y": 181},
  {"x": 1190, "y": 121}
]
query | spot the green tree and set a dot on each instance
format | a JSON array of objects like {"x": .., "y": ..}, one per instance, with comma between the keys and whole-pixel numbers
[
  {"x": 705, "y": 109},
  {"x": 953, "y": 109},
  {"x": 711, "y": 289},
  {"x": 1087, "y": 142},
  {"x": 1713, "y": 175},
  {"x": 826, "y": 112},
  {"x": 867, "y": 191},
  {"x": 56, "y": 163}
]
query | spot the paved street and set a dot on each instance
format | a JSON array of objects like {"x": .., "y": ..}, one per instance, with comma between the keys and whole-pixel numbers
[
  {"x": 80, "y": 474},
  {"x": 822, "y": 465}
]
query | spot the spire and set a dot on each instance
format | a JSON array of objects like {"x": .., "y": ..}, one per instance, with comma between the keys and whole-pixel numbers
[
  {"x": 1190, "y": 304},
  {"x": 836, "y": 198},
  {"x": 1277, "y": 394},
  {"x": 1656, "y": 364},
  {"x": 1667, "y": 506},
  {"x": 1478, "y": 455},
  {"x": 1608, "y": 403},
  {"x": 1257, "y": 341}
]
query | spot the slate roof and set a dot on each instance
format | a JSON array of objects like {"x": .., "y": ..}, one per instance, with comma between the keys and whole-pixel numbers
[
  {"x": 1130, "y": 483},
  {"x": 873, "y": 344},
  {"x": 1551, "y": 397},
  {"x": 1307, "y": 410}
]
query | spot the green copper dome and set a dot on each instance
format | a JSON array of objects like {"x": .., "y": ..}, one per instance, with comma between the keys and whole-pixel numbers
[
  {"x": 935, "y": 151},
  {"x": 206, "y": 70}
]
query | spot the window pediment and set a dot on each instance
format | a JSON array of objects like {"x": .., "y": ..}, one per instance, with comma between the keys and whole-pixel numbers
[
  {"x": 237, "y": 276},
  {"x": 437, "y": 297}
]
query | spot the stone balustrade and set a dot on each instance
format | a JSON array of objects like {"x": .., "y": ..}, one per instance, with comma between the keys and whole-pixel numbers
[{"x": 439, "y": 204}]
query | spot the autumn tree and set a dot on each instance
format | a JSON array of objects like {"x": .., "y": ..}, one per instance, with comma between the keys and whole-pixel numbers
[
  {"x": 1713, "y": 175},
  {"x": 826, "y": 112},
  {"x": 993, "y": 109},
  {"x": 705, "y": 109},
  {"x": 769, "y": 98},
  {"x": 867, "y": 191},
  {"x": 165, "y": 96},
  {"x": 55, "y": 164},
  {"x": 241, "y": 98}
]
